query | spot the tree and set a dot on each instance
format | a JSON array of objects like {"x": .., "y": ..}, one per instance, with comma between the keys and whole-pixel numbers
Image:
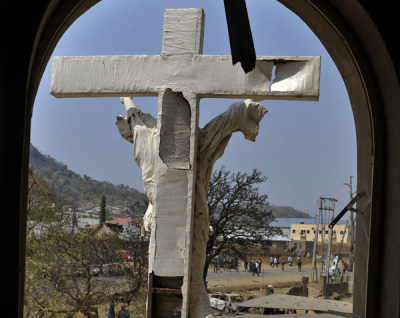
[
  {"x": 238, "y": 213},
  {"x": 68, "y": 270},
  {"x": 103, "y": 209}
]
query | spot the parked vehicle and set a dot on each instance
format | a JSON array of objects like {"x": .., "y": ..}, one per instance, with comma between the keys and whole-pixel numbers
[
  {"x": 225, "y": 302},
  {"x": 332, "y": 270},
  {"x": 124, "y": 254}
]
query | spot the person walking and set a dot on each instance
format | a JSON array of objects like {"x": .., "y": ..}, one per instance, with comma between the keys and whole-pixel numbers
[
  {"x": 251, "y": 265},
  {"x": 283, "y": 264},
  {"x": 299, "y": 264},
  {"x": 259, "y": 265},
  {"x": 215, "y": 265},
  {"x": 255, "y": 269},
  {"x": 335, "y": 261},
  {"x": 276, "y": 262},
  {"x": 271, "y": 261}
]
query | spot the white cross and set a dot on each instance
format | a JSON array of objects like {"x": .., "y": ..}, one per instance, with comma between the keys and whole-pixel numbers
[
  {"x": 183, "y": 68},
  {"x": 180, "y": 76}
]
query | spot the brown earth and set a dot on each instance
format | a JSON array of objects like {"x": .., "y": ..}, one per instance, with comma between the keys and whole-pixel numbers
[
  {"x": 255, "y": 286},
  {"x": 243, "y": 283}
]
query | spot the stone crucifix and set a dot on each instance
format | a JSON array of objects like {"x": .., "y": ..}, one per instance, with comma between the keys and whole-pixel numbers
[{"x": 182, "y": 155}]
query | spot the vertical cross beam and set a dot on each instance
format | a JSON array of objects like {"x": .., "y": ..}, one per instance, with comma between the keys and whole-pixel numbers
[{"x": 175, "y": 167}]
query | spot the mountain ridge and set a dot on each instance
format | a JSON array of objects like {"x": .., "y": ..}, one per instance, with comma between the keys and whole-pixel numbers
[{"x": 86, "y": 192}]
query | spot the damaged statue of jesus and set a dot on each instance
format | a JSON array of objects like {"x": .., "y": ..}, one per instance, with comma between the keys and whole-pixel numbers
[{"x": 140, "y": 129}]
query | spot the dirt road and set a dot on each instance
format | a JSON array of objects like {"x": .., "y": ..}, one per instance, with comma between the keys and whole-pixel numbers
[
  {"x": 255, "y": 286},
  {"x": 234, "y": 280}
]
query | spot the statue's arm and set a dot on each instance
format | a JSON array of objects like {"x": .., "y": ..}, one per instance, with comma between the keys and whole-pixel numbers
[
  {"x": 134, "y": 119},
  {"x": 124, "y": 128},
  {"x": 243, "y": 116},
  {"x": 135, "y": 114},
  {"x": 124, "y": 122},
  {"x": 130, "y": 107}
]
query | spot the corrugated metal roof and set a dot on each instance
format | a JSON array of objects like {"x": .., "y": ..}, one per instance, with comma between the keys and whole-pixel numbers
[
  {"x": 241, "y": 315},
  {"x": 118, "y": 221},
  {"x": 125, "y": 221},
  {"x": 277, "y": 238},
  {"x": 247, "y": 236},
  {"x": 284, "y": 301},
  {"x": 286, "y": 222}
]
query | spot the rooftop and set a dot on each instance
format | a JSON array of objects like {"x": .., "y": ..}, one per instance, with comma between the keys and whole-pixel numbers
[
  {"x": 286, "y": 222},
  {"x": 119, "y": 221}
]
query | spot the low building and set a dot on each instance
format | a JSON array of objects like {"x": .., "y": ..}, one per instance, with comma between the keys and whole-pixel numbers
[
  {"x": 284, "y": 224},
  {"x": 277, "y": 244},
  {"x": 120, "y": 226},
  {"x": 274, "y": 243},
  {"x": 303, "y": 236},
  {"x": 99, "y": 231}
]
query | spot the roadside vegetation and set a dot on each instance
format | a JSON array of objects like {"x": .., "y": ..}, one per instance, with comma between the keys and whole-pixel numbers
[
  {"x": 239, "y": 215},
  {"x": 71, "y": 271}
]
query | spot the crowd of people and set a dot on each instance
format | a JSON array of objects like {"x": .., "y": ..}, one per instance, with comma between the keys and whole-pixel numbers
[
  {"x": 225, "y": 262},
  {"x": 274, "y": 262},
  {"x": 253, "y": 266}
]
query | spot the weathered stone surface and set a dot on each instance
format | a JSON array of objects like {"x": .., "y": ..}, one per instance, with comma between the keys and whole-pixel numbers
[
  {"x": 297, "y": 78},
  {"x": 175, "y": 131}
]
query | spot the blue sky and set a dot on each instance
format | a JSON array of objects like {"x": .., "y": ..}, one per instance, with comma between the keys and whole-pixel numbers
[{"x": 306, "y": 149}]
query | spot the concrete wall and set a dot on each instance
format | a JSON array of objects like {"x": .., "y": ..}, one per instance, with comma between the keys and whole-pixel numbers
[{"x": 306, "y": 232}]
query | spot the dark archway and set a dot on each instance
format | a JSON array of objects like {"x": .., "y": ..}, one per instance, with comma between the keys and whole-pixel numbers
[
  {"x": 352, "y": 55},
  {"x": 359, "y": 41},
  {"x": 355, "y": 45}
]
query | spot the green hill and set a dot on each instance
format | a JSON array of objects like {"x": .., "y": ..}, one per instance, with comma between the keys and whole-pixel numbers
[
  {"x": 287, "y": 212},
  {"x": 84, "y": 191}
]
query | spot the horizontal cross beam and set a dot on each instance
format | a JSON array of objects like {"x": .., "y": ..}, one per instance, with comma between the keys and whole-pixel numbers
[{"x": 296, "y": 78}]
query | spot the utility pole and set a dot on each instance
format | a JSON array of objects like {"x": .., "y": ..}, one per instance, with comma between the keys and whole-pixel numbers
[
  {"x": 322, "y": 239},
  {"x": 330, "y": 240},
  {"x": 326, "y": 208},
  {"x": 314, "y": 273},
  {"x": 352, "y": 223}
]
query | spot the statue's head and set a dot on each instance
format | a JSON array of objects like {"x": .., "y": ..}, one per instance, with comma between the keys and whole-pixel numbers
[
  {"x": 256, "y": 110},
  {"x": 249, "y": 114}
]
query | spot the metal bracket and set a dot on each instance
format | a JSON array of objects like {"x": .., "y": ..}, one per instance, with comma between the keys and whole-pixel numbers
[{"x": 349, "y": 207}]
